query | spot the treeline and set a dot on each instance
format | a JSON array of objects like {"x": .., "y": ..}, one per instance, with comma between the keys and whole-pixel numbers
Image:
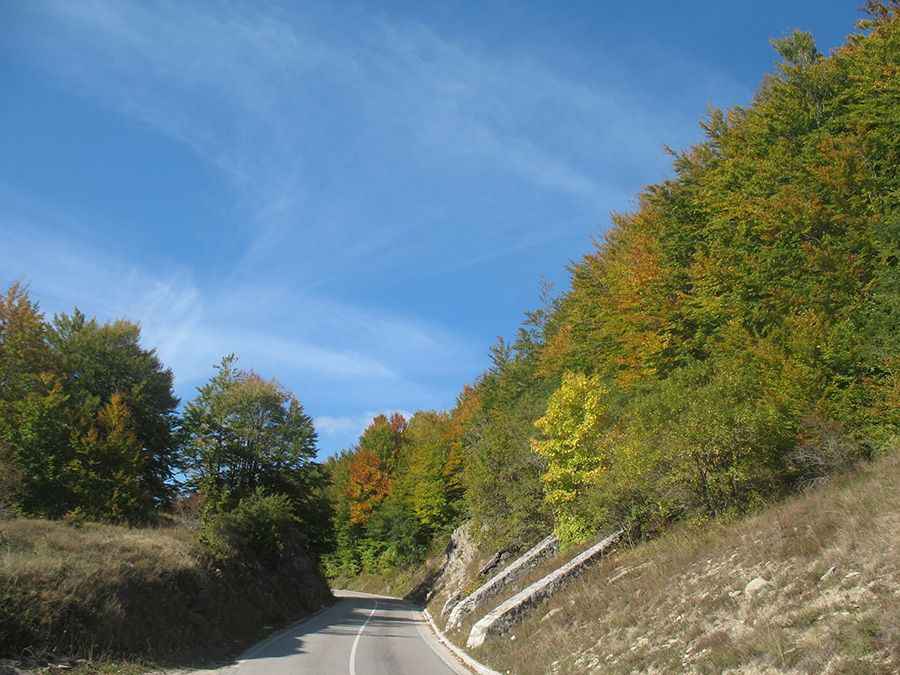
[
  {"x": 733, "y": 338},
  {"x": 399, "y": 487},
  {"x": 90, "y": 431}
]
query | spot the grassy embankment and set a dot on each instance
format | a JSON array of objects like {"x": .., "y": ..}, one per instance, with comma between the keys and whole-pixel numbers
[
  {"x": 116, "y": 599},
  {"x": 830, "y": 558}
]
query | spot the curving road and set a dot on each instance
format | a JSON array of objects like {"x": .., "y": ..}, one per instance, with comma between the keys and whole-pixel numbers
[{"x": 361, "y": 634}]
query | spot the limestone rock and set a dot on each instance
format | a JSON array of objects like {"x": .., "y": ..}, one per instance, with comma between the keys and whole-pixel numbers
[
  {"x": 755, "y": 586},
  {"x": 542, "y": 550},
  {"x": 551, "y": 614},
  {"x": 451, "y": 601}
]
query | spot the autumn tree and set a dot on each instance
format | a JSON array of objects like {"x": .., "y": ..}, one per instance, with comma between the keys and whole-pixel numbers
[
  {"x": 87, "y": 415},
  {"x": 101, "y": 361},
  {"x": 571, "y": 442},
  {"x": 369, "y": 483}
]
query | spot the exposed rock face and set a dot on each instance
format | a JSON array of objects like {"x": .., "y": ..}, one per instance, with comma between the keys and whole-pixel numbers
[
  {"x": 459, "y": 554},
  {"x": 449, "y": 603},
  {"x": 543, "y": 549},
  {"x": 492, "y": 563},
  {"x": 508, "y": 612}
]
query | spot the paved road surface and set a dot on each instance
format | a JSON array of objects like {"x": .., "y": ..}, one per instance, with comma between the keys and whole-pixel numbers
[{"x": 360, "y": 634}]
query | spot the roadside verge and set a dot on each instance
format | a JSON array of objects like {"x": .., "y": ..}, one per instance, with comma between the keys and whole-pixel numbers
[{"x": 472, "y": 664}]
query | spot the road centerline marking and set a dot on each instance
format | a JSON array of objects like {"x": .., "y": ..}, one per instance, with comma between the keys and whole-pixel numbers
[{"x": 356, "y": 641}]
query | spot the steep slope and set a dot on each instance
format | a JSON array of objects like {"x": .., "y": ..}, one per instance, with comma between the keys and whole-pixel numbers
[
  {"x": 809, "y": 585},
  {"x": 139, "y": 595}
]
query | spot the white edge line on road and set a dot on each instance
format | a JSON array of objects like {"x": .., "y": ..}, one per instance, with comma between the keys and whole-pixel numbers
[
  {"x": 460, "y": 654},
  {"x": 356, "y": 641}
]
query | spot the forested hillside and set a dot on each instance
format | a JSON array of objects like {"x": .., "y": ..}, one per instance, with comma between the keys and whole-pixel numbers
[{"x": 735, "y": 337}]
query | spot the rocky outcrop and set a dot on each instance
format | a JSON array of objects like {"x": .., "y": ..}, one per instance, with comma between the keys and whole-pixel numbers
[
  {"x": 458, "y": 555},
  {"x": 508, "y": 612},
  {"x": 493, "y": 562},
  {"x": 543, "y": 549}
]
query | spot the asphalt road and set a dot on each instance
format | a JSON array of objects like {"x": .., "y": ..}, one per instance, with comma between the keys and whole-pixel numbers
[{"x": 360, "y": 634}]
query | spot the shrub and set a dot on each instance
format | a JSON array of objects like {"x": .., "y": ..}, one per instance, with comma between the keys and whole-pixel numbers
[
  {"x": 10, "y": 481},
  {"x": 729, "y": 434},
  {"x": 824, "y": 448},
  {"x": 260, "y": 527}
]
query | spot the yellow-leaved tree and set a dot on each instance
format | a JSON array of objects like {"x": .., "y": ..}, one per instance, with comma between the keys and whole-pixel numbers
[{"x": 571, "y": 435}]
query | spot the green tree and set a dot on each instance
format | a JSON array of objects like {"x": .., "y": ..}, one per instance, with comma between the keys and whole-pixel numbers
[
  {"x": 102, "y": 362},
  {"x": 36, "y": 431},
  {"x": 502, "y": 474},
  {"x": 247, "y": 436},
  {"x": 428, "y": 492},
  {"x": 86, "y": 415},
  {"x": 26, "y": 364},
  {"x": 109, "y": 463}
]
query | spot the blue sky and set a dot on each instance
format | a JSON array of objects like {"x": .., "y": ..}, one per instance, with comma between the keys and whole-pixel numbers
[{"x": 356, "y": 198}]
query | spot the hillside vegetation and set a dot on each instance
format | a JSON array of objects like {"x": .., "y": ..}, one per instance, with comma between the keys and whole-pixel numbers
[
  {"x": 106, "y": 593},
  {"x": 730, "y": 343},
  {"x": 732, "y": 340}
]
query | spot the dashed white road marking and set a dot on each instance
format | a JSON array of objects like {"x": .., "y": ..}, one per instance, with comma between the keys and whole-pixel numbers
[{"x": 356, "y": 641}]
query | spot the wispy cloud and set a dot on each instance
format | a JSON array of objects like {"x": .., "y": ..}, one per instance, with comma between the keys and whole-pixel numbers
[
  {"x": 245, "y": 89},
  {"x": 368, "y": 150},
  {"x": 300, "y": 339}
]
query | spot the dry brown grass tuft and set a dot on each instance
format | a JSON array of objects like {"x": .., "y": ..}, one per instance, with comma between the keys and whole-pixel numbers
[{"x": 831, "y": 560}]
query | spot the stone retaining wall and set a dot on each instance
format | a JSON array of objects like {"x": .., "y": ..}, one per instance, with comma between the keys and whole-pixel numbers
[
  {"x": 543, "y": 549},
  {"x": 509, "y": 612}
]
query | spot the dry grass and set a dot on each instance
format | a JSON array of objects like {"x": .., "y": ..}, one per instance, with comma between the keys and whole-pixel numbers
[
  {"x": 677, "y": 604},
  {"x": 101, "y": 592},
  {"x": 400, "y": 581},
  {"x": 29, "y": 546}
]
